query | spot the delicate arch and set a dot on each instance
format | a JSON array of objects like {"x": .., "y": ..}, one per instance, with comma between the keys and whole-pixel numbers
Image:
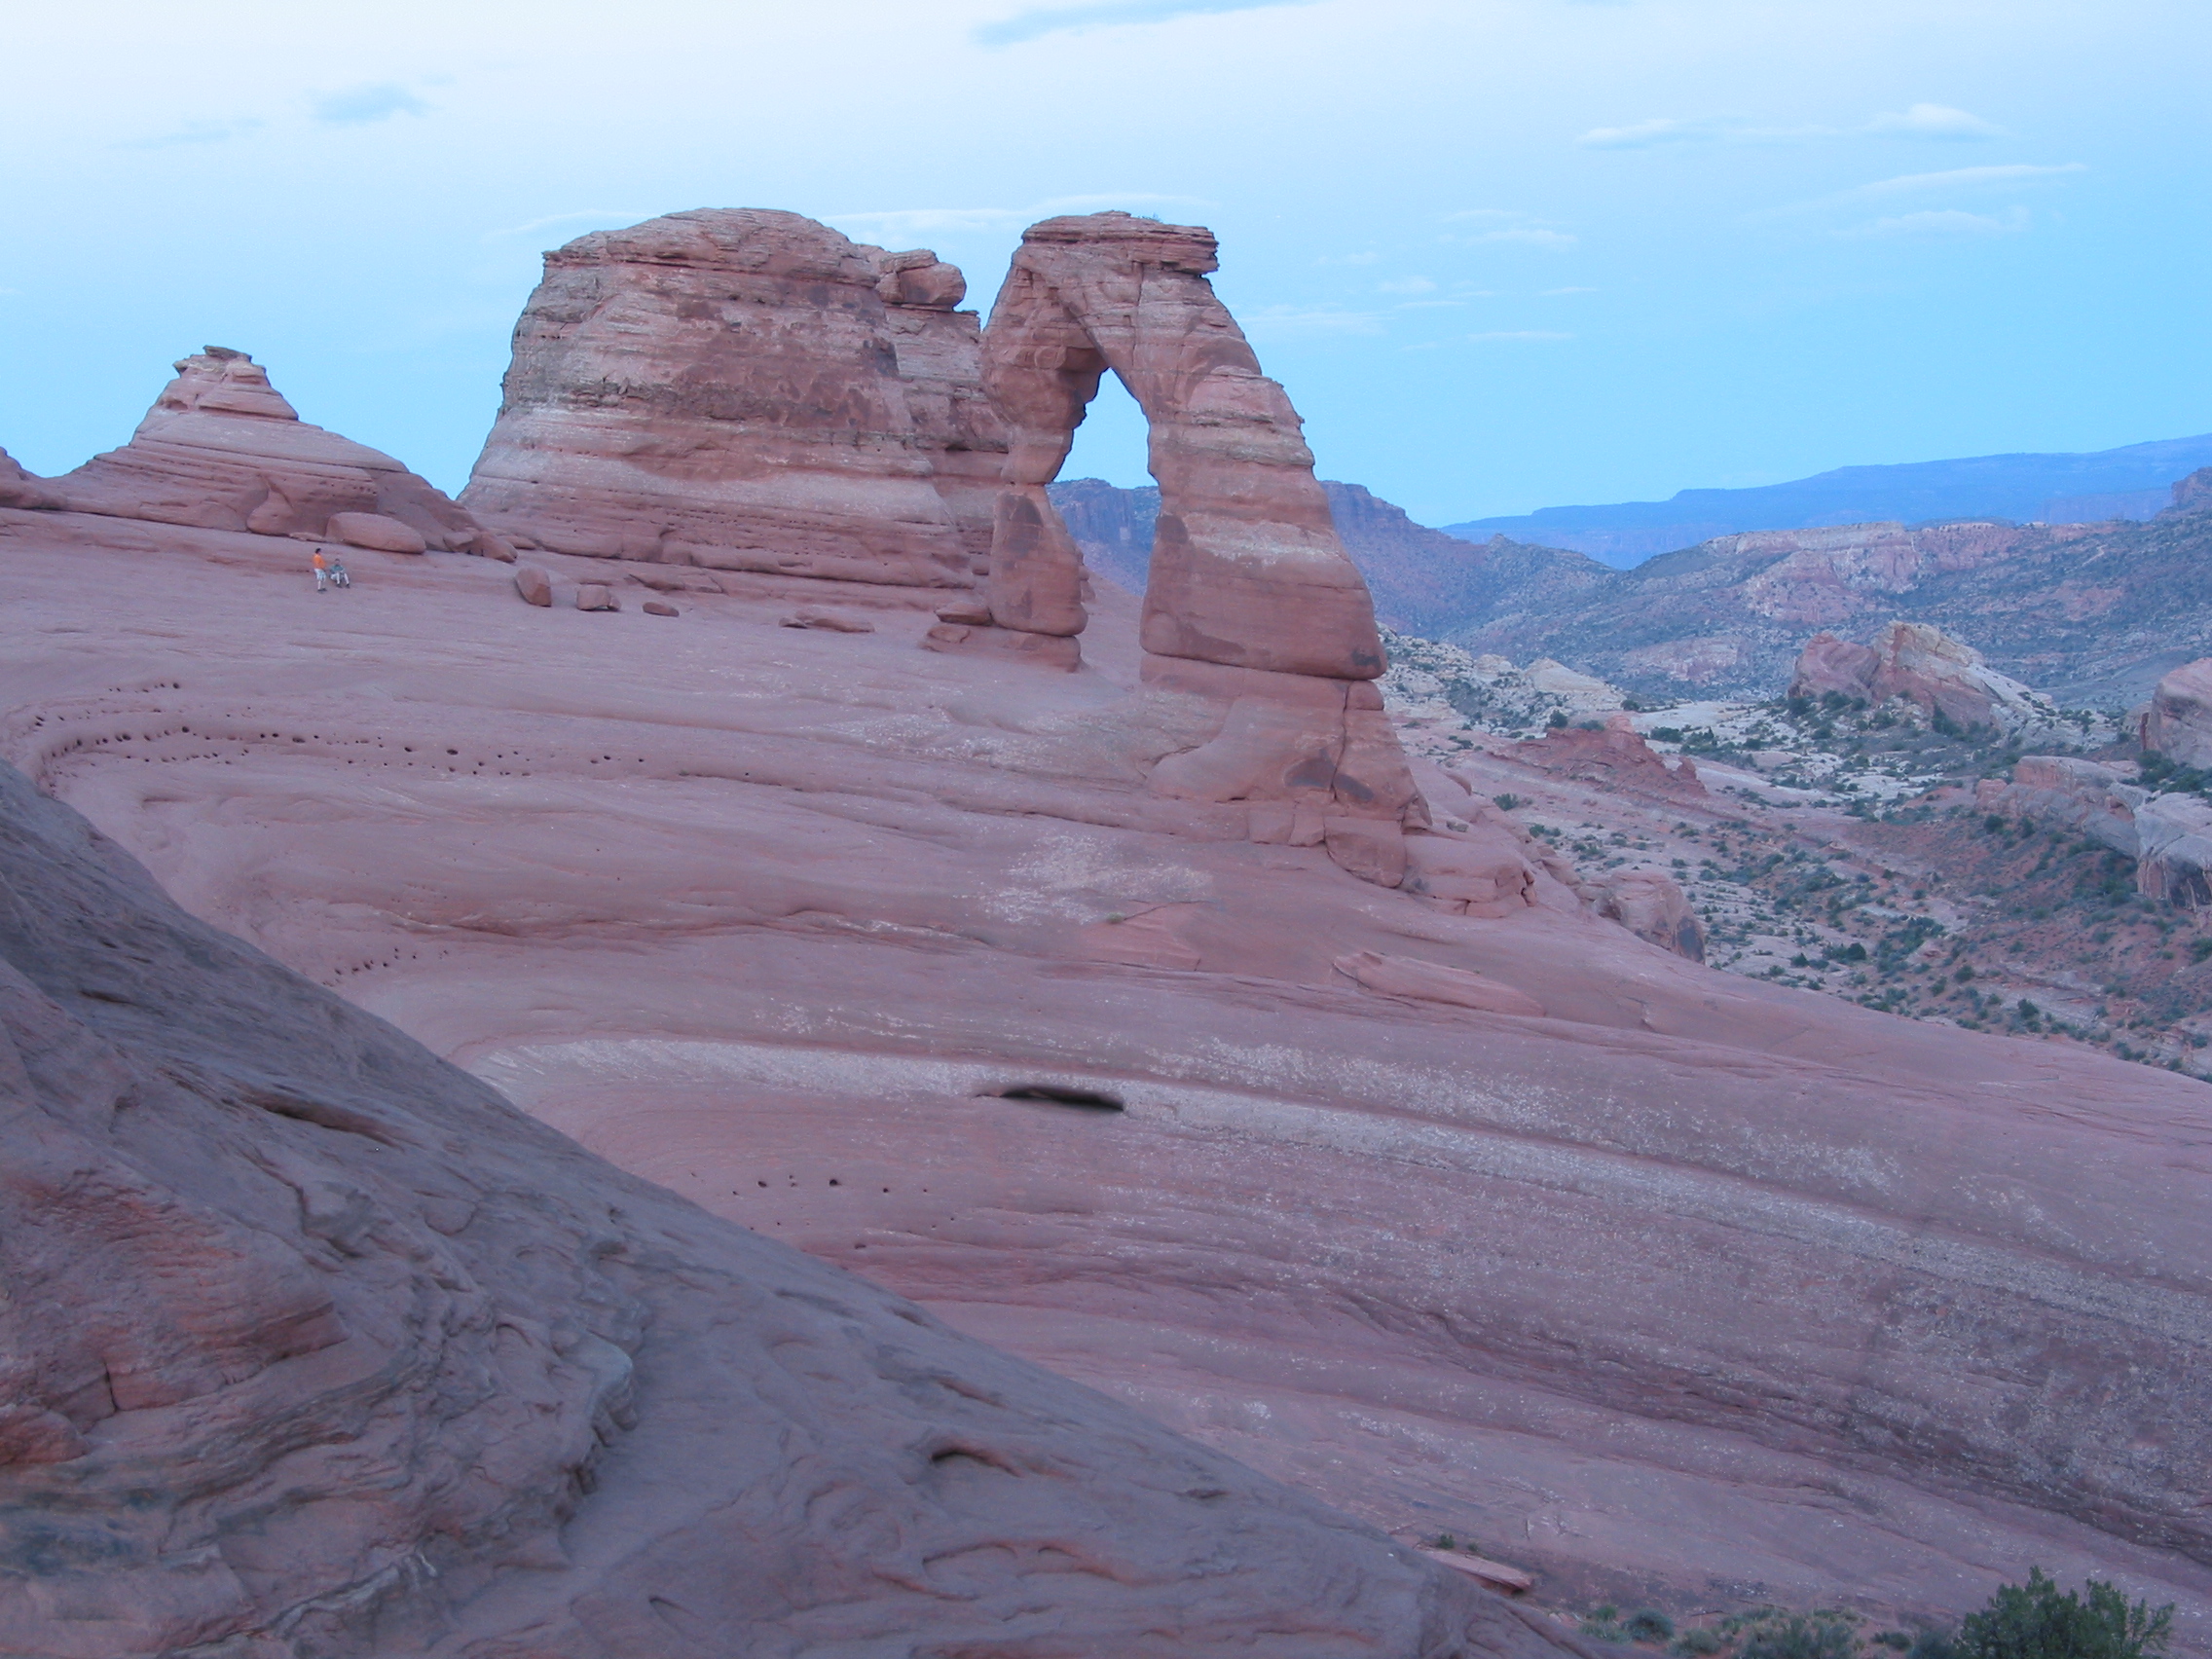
[{"x": 1246, "y": 567}]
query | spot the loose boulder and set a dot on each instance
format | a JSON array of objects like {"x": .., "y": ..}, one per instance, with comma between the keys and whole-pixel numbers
[
  {"x": 376, "y": 532},
  {"x": 533, "y": 584},
  {"x": 596, "y": 596}
]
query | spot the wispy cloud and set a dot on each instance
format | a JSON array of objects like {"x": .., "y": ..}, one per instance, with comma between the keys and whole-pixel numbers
[
  {"x": 582, "y": 216},
  {"x": 1920, "y": 121},
  {"x": 1494, "y": 337},
  {"x": 357, "y": 106},
  {"x": 1277, "y": 321},
  {"x": 1962, "y": 178},
  {"x": 896, "y": 223},
  {"x": 1503, "y": 225},
  {"x": 194, "y": 132},
  {"x": 1940, "y": 223},
  {"x": 1933, "y": 121},
  {"x": 1041, "y": 21}
]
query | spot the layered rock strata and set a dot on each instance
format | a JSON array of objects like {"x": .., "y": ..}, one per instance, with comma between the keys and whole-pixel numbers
[
  {"x": 221, "y": 449},
  {"x": 1246, "y": 569},
  {"x": 745, "y": 389},
  {"x": 1250, "y": 602},
  {"x": 313, "y": 1344},
  {"x": 1926, "y": 667},
  {"x": 2178, "y": 723},
  {"x": 21, "y": 490}
]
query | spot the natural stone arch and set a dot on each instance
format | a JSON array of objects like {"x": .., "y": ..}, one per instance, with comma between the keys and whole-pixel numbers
[{"x": 1246, "y": 567}]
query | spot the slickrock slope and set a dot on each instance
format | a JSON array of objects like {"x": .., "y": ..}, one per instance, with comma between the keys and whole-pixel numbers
[
  {"x": 745, "y": 389},
  {"x": 316, "y": 1346},
  {"x": 221, "y": 449},
  {"x": 1689, "y": 1288}
]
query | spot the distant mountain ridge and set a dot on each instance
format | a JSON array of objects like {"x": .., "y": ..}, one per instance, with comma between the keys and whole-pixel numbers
[
  {"x": 1424, "y": 582},
  {"x": 2128, "y": 482}
]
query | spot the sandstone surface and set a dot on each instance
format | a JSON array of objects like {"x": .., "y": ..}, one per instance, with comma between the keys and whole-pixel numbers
[
  {"x": 2179, "y": 724},
  {"x": 221, "y": 449},
  {"x": 745, "y": 389},
  {"x": 1692, "y": 1288},
  {"x": 316, "y": 1345},
  {"x": 376, "y": 532}
]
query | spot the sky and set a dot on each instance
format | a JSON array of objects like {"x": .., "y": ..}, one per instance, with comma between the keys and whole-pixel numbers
[{"x": 1503, "y": 253}]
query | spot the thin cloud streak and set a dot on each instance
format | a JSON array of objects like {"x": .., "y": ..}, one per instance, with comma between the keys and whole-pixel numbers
[
  {"x": 896, "y": 222},
  {"x": 1040, "y": 22},
  {"x": 357, "y": 106},
  {"x": 1921, "y": 121}
]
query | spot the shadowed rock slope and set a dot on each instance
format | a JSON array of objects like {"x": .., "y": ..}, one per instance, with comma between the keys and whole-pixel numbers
[{"x": 313, "y": 1344}]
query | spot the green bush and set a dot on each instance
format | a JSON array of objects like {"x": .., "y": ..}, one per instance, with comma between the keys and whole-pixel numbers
[
  {"x": 1506, "y": 803},
  {"x": 1648, "y": 1624},
  {"x": 2036, "y": 1620},
  {"x": 1697, "y": 1643},
  {"x": 1799, "y": 1638}
]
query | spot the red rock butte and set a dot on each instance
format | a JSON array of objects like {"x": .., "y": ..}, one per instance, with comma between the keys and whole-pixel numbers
[{"x": 1154, "y": 1020}]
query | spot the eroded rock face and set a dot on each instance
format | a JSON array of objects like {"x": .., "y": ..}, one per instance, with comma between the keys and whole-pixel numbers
[
  {"x": 2073, "y": 793},
  {"x": 221, "y": 449},
  {"x": 313, "y": 1344},
  {"x": 1925, "y": 666},
  {"x": 2179, "y": 724},
  {"x": 745, "y": 389},
  {"x": 20, "y": 489},
  {"x": 1246, "y": 569}
]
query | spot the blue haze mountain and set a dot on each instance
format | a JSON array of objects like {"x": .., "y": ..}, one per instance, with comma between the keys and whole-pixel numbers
[{"x": 2128, "y": 482}]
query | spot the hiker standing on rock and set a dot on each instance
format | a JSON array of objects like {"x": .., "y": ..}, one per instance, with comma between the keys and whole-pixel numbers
[{"x": 321, "y": 572}]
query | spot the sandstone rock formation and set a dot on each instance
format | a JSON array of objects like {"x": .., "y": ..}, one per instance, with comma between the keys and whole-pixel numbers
[
  {"x": 745, "y": 389},
  {"x": 2069, "y": 792},
  {"x": 1250, "y": 604},
  {"x": 2174, "y": 850},
  {"x": 2179, "y": 724},
  {"x": 1614, "y": 752},
  {"x": 221, "y": 449},
  {"x": 1246, "y": 570},
  {"x": 313, "y": 1344},
  {"x": 533, "y": 585},
  {"x": 376, "y": 532},
  {"x": 19, "y": 489},
  {"x": 1694, "y": 1277},
  {"x": 1926, "y": 667},
  {"x": 1652, "y": 906}
]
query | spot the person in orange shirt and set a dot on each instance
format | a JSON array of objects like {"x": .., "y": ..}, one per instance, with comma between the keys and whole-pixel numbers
[{"x": 322, "y": 572}]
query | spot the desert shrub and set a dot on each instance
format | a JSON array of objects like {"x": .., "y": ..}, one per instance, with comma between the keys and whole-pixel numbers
[
  {"x": 1506, "y": 803},
  {"x": 1557, "y": 721},
  {"x": 1648, "y": 1624},
  {"x": 1901, "y": 1639},
  {"x": 1698, "y": 1644},
  {"x": 1799, "y": 1638},
  {"x": 2199, "y": 949},
  {"x": 2036, "y": 1620}
]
